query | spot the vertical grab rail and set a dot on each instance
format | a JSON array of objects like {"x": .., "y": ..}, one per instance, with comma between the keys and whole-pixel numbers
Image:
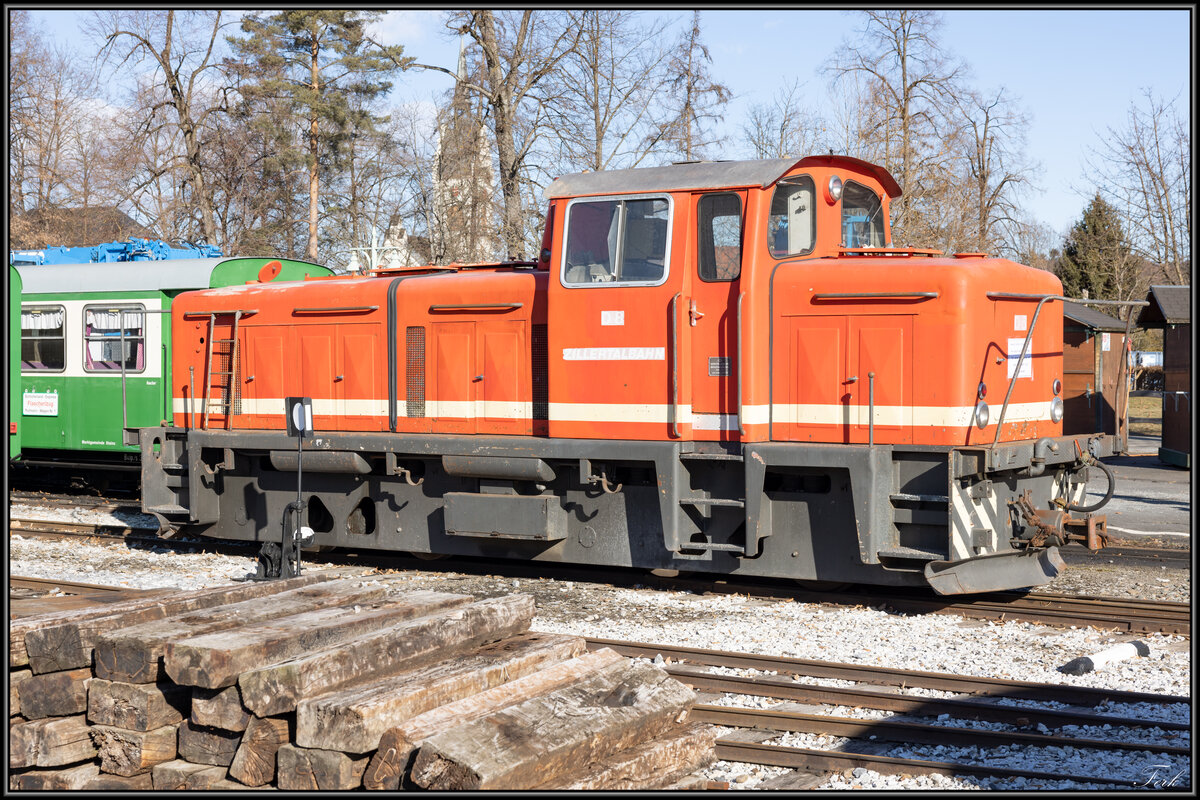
[
  {"x": 740, "y": 367},
  {"x": 871, "y": 418},
  {"x": 124, "y": 396},
  {"x": 675, "y": 365},
  {"x": 191, "y": 403}
]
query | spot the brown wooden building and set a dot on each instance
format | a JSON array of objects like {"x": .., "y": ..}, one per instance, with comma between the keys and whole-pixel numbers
[
  {"x": 1095, "y": 391},
  {"x": 1171, "y": 309}
]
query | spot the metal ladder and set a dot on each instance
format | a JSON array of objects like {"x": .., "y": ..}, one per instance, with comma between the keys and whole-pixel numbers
[{"x": 227, "y": 385}]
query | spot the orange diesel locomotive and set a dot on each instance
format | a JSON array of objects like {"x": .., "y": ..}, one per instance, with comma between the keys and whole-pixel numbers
[{"x": 721, "y": 367}]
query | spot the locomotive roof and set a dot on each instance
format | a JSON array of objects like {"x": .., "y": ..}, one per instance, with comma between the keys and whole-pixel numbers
[
  {"x": 121, "y": 276},
  {"x": 704, "y": 175}
]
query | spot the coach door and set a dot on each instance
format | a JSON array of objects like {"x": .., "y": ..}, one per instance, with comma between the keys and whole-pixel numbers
[{"x": 709, "y": 319}]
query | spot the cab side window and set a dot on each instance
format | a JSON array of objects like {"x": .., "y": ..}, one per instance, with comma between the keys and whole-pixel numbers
[
  {"x": 616, "y": 241},
  {"x": 720, "y": 237},
  {"x": 791, "y": 227},
  {"x": 862, "y": 222}
]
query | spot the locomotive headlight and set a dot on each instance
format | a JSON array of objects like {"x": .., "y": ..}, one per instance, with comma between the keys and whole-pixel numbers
[
  {"x": 1056, "y": 410},
  {"x": 982, "y": 414},
  {"x": 1056, "y": 386},
  {"x": 833, "y": 191}
]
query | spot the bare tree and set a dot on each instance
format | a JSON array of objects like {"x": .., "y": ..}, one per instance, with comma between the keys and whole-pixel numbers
[
  {"x": 699, "y": 100},
  {"x": 995, "y": 167},
  {"x": 519, "y": 51},
  {"x": 608, "y": 91},
  {"x": 783, "y": 127},
  {"x": 913, "y": 81},
  {"x": 1146, "y": 170},
  {"x": 180, "y": 45}
]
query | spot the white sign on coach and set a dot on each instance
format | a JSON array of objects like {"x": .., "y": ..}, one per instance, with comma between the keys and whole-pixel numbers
[{"x": 40, "y": 404}]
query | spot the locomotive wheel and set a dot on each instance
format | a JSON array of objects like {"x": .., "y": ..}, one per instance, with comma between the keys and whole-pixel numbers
[{"x": 429, "y": 556}]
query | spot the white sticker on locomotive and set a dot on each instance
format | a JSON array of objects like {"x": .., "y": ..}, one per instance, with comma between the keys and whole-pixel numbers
[
  {"x": 613, "y": 354},
  {"x": 39, "y": 404},
  {"x": 612, "y": 317},
  {"x": 1020, "y": 322},
  {"x": 1014, "y": 352}
]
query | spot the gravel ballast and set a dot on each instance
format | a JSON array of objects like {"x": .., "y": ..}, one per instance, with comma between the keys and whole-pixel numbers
[{"x": 859, "y": 635}]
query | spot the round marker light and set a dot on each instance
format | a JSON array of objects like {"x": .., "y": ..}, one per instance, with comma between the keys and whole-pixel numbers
[
  {"x": 1056, "y": 410},
  {"x": 982, "y": 414},
  {"x": 834, "y": 190},
  {"x": 982, "y": 390},
  {"x": 1056, "y": 386}
]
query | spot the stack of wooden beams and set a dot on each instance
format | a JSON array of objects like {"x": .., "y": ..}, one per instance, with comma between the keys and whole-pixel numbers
[{"x": 329, "y": 683}]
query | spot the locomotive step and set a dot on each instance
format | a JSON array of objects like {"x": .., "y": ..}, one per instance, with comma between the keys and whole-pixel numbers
[
  {"x": 915, "y": 553},
  {"x": 711, "y": 501}
]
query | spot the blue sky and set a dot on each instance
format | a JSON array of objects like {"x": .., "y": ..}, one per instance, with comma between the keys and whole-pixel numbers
[{"x": 1074, "y": 71}]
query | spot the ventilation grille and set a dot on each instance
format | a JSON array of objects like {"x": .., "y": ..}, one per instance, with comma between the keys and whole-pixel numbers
[
  {"x": 539, "y": 347},
  {"x": 415, "y": 340}
]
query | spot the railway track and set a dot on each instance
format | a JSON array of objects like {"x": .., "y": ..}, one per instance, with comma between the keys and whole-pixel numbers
[
  {"x": 33, "y": 596},
  {"x": 804, "y": 708},
  {"x": 1127, "y": 615}
]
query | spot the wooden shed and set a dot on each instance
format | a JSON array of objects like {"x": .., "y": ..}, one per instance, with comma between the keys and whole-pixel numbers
[
  {"x": 1095, "y": 396},
  {"x": 1171, "y": 309}
]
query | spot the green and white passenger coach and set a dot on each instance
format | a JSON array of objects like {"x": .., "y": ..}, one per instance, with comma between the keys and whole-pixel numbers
[{"x": 95, "y": 350}]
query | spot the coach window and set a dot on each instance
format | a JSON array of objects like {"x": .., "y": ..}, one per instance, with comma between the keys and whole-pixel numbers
[
  {"x": 620, "y": 241},
  {"x": 862, "y": 220},
  {"x": 43, "y": 339},
  {"x": 103, "y": 326},
  {"x": 792, "y": 225},
  {"x": 720, "y": 237}
]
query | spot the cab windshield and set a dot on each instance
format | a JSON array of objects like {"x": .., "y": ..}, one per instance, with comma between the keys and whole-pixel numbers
[{"x": 862, "y": 217}]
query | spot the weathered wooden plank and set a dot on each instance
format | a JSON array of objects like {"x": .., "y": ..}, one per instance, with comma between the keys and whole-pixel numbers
[
  {"x": 662, "y": 761},
  {"x": 547, "y": 737},
  {"x": 136, "y": 706},
  {"x": 393, "y": 757},
  {"x": 254, "y": 762},
  {"x": 277, "y": 689},
  {"x": 125, "y": 752},
  {"x": 215, "y": 660},
  {"x": 353, "y": 720},
  {"x": 134, "y": 654},
  {"x": 56, "y": 694},
  {"x": 68, "y": 779},
  {"x": 15, "y": 678},
  {"x": 19, "y": 657},
  {"x": 178, "y": 774},
  {"x": 120, "y": 783},
  {"x": 304, "y": 769},
  {"x": 202, "y": 745},
  {"x": 57, "y": 642},
  {"x": 219, "y": 708},
  {"x": 50, "y": 742}
]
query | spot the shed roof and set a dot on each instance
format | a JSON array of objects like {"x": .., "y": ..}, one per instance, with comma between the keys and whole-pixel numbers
[
  {"x": 1169, "y": 305},
  {"x": 704, "y": 175},
  {"x": 1090, "y": 318},
  {"x": 121, "y": 276}
]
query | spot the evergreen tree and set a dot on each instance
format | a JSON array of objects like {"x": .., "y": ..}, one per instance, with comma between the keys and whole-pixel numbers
[
  {"x": 326, "y": 70},
  {"x": 1097, "y": 258}
]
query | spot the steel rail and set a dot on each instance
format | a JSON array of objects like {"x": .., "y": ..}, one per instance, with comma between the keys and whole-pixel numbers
[
  {"x": 904, "y": 732},
  {"x": 834, "y": 761},
  {"x": 948, "y": 682},
  {"x": 886, "y": 701}
]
